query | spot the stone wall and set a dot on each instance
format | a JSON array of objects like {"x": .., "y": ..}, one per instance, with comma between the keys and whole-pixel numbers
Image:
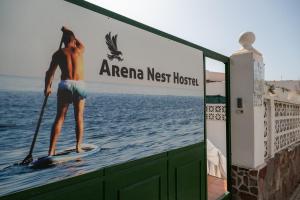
[{"x": 275, "y": 180}]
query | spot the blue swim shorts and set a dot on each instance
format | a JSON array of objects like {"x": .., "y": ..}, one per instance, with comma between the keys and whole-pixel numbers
[{"x": 71, "y": 90}]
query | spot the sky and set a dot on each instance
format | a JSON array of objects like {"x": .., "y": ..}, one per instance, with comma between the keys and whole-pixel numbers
[{"x": 217, "y": 25}]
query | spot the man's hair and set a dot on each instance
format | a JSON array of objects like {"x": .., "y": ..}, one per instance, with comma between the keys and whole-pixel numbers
[{"x": 67, "y": 37}]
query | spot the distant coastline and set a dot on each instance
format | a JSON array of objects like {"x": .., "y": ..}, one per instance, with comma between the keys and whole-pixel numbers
[
  {"x": 18, "y": 76},
  {"x": 36, "y": 84}
]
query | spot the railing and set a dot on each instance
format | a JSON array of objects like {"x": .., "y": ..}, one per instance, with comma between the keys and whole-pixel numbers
[
  {"x": 267, "y": 128},
  {"x": 281, "y": 122},
  {"x": 216, "y": 112},
  {"x": 282, "y": 125}
]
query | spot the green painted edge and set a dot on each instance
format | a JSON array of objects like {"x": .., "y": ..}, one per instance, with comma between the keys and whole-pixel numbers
[
  {"x": 128, "y": 164},
  {"x": 186, "y": 148},
  {"x": 226, "y": 196},
  {"x": 108, "y": 13},
  {"x": 215, "y": 99},
  {"x": 228, "y": 128}
]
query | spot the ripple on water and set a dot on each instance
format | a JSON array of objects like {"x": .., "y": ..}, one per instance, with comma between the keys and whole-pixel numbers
[{"x": 126, "y": 127}]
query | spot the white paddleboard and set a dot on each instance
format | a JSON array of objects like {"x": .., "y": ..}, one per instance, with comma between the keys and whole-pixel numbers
[{"x": 66, "y": 155}]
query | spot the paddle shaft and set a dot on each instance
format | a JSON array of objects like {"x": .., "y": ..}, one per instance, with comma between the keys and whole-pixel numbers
[
  {"x": 38, "y": 124},
  {"x": 41, "y": 114}
]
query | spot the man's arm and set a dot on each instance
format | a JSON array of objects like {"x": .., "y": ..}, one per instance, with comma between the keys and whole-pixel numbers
[
  {"x": 79, "y": 45},
  {"x": 50, "y": 74}
]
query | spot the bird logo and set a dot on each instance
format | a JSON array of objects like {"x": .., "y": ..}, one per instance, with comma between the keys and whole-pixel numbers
[{"x": 111, "y": 42}]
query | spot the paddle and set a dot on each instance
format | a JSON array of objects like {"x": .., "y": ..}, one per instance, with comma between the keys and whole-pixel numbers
[{"x": 29, "y": 158}]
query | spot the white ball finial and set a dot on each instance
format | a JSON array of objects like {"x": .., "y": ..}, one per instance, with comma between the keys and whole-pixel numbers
[{"x": 247, "y": 39}]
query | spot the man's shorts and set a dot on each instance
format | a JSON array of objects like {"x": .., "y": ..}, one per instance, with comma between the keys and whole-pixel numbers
[{"x": 71, "y": 90}]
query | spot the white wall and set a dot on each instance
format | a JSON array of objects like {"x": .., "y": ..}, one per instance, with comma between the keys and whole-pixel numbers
[
  {"x": 216, "y": 129},
  {"x": 216, "y": 133},
  {"x": 215, "y": 88}
]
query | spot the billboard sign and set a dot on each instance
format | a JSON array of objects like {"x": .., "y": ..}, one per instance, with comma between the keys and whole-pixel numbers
[{"x": 116, "y": 92}]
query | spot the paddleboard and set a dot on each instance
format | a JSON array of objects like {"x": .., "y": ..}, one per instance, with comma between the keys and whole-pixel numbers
[{"x": 66, "y": 155}]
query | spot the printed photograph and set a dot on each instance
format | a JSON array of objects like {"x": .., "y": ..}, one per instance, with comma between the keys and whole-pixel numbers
[{"x": 76, "y": 97}]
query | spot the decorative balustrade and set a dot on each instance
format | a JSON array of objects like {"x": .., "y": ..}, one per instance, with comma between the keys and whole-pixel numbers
[
  {"x": 216, "y": 112},
  {"x": 267, "y": 128},
  {"x": 282, "y": 125}
]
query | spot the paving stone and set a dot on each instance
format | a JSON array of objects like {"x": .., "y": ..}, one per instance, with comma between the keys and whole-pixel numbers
[
  {"x": 274, "y": 181},
  {"x": 246, "y": 196}
]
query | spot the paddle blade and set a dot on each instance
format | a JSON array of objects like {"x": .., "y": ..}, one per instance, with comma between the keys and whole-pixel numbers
[{"x": 27, "y": 160}]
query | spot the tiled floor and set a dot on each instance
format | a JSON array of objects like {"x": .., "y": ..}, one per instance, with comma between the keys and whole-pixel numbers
[{"x": 216, "y": 187}]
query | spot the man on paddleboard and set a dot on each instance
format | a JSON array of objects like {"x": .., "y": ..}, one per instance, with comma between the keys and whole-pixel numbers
[{"x": 71, "y": 88}]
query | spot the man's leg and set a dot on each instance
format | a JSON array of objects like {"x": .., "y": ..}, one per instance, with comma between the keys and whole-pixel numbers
[
  {"x": 78, "y": 113},
  {"x": 62, "y": 109}
]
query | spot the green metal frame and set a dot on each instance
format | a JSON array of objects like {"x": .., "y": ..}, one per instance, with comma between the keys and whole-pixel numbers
[
  {"x": 105, "y": 178},
  {"x": 226, "y": 100},
  {"x": 228, "y": 127}
]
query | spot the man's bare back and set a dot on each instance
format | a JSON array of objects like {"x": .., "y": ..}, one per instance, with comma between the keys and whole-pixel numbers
[
  {"x": 73, "y": 68},
  {"x": 70, "y": 61}
]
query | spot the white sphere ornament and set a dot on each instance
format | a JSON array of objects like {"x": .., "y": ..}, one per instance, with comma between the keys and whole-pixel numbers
[{"x": 247, "y": 39}]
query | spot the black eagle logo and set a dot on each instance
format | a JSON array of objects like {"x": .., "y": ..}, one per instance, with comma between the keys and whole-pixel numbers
[{"x": 113, "y": 48}]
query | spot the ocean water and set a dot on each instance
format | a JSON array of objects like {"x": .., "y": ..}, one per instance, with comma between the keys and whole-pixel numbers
[{"x": 125, "y": 126}]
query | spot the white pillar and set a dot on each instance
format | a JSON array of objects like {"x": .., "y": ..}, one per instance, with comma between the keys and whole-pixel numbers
[{"x": 247, "y": 119}]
